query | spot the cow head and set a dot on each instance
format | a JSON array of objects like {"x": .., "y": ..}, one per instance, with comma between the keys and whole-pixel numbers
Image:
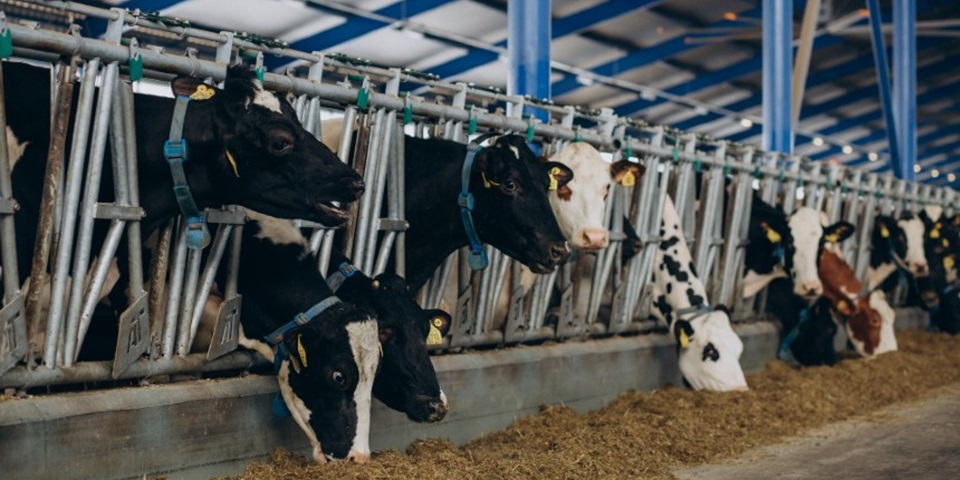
[
  {"x": 327, "y": 380},
  {"x": 900, "y": 242},
  {"x": 769, "y": 236},
  {"x": 512, "y": 212},
  {"x": 864, "y": 322},
  {"x": 579, "y": 204},
  {"x": 809, "y": 235},
  {"x": 257, "y": 154},
  {"x": 814, "y": 342},
  {"x": 709, "y": 352},
  {"x": 406, "y": 381}
]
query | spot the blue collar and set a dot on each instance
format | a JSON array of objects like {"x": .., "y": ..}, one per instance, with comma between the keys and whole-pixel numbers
[
  {"x": 175, "y": 152},
  {"x": 478, "y": 257},
  {"x": 341, "y": 274},
  {"x": 784, "y": 353}
]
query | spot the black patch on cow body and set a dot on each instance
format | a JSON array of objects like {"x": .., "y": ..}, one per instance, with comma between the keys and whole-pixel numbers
[
  {"x": 664, "y": 245},
  {"x": 694, "y": 299},
  {"x": 693, "y": 270},
  {"x": 665, "y": 309},
  {"x": 669, "y": 288},
  {"x": 675, "y": 269}
]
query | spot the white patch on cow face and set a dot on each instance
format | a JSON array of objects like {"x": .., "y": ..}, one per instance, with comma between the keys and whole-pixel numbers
[
  {"x": 888, "y": 338},
  {"x": 516, "y": 151},
  {"x": 806, "y": 229},
  {"x": 15, "y": 149},
  {"x": 365, "y": 345},
  {"x": 722, "y": 375},
  {"x": 934, "y": 212},
  {"x": 581, "y": 216},
  {"x": 276, "y": 230},
  {"x": 266, "y": 99},
  {"x": 915, "y": 259},
  {"x": 299, "y": 410}
]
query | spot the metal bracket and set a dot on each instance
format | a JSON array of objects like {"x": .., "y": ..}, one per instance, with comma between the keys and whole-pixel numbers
[
  {"x": 8, "y": 206},
  {"x": 13, "y": 334},
  {"x": 112, "y": 211},
  {"x": 391, "y": 225},
  {"x": 226, "y": 333},
  {"x": 464, "y": 323},
  {"x": 229, "y": 217},
  {"x": 133, "y": 339}
]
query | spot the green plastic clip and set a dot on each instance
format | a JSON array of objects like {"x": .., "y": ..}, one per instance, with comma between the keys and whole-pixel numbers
[
  {"x": 136, "y": 67},
  {"x": 697, "y": 166},
  {"x": 726, "y": 169},
  {"x": 407, "y": 114},
  {"x": 472, "y": 126},
  {"x": 260, "y": 71},
  {"x": 362, "y": 97},
  {"x": 676, "y": 152},
  {"x": 530, "y": 132},
  {"x": 628, "y": 151},
  {"x": 6, "y": 43},
  {"x": 756, "y": 171}
]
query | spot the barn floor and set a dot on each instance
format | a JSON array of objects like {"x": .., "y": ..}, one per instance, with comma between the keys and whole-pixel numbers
[{"x": 914, "y": 441}]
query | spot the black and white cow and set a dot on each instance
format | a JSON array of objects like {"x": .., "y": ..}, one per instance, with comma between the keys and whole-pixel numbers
[
  {"x": 327, "y": 361},
  {"x": 942, "y": 248},
  {"x": 897, "y": 245},
  {"x": 708, "y": 347},
  {"x": 784, "y": 254},
  {"x": 245, "y": 146}
]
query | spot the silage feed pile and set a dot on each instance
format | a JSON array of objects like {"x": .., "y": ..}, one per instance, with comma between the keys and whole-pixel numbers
[{"x": 646, "y": 435}]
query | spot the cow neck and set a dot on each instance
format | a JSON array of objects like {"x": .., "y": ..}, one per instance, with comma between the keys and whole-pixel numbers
[
  {"x": 175, "y": 151},
  {"x": 785, "y": 353},
  {"x": 436, "y": 229}
]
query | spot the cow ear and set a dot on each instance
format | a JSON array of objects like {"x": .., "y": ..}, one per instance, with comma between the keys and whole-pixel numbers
[
  {"x": 439, "y": 325},
  {"x": 193, "y": 88},
  {"x": 386, "y": 334},
  {"x": 838, "y": 232},
  {"x": 240, "y": 87},
  {"x": 626, "y": 173},
  {"x": 558, "y": 175},
  {"x": 954, "y": 220},
  {"x": 297, "y": 351},
  {"x": 683, "y": 331},
  {"x": 884, "y": 226},
  {"x": 772, "y": 235}
]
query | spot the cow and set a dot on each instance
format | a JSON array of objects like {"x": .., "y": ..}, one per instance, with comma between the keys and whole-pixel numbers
[
  {"x": 865, "y": 314},
  {"x": 326, "y": 357},
  {"x": 784, "y": 253},
  {"x": 708, "y": 348},
  {"x": 245, "y": 147},
  {"x": 897, "y": 245},
  {"x": 941, "y": 247}
]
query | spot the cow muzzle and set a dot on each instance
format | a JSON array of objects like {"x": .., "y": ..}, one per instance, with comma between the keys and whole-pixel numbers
[
  {"x": 357, "y": 456},
  {"x": 809, "y": 288},
  {"x": 592, "y": 238},
  {"x": 920, "y": 269}
]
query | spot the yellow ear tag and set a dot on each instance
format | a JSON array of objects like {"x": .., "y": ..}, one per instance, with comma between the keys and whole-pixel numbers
[
  {"x": 434, "y": 337},
  {"x": 935, "y": 233},
  {"x": 302, "y": 351},
  {"x": 773, "y": 236},
  {"x": 487, "y": 183},
  {"x": 832, "y": 238},
  {"x": 884, "y": 232},
  {"x": 949, "y": 262},
  {"x": 554, "y": 183},
  {"x": 946, "y": 243},
  {"x": 233, "y": 163},
  {"x": 629, "y": 179},
  {"x": 684, "y": 339},
  {"x": 203, "y": 92}
]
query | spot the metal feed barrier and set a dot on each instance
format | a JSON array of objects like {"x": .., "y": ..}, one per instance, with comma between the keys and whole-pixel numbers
[{"x": 599, "y": 294}]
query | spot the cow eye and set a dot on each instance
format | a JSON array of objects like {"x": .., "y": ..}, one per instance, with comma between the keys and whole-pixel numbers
[
  {"x": 509, "y": 186},
  {"x": 338, "y": 378},
  {"x": 280, "y": 144}
]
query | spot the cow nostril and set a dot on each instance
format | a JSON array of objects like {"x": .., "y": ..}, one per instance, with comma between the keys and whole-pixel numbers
[
  {"x": 559, "y": 252},
  {"x": 354, "y": 185},
  {"x": 358, "y": 457}
]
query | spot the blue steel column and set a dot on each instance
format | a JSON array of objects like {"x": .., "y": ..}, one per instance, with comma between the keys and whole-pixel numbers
[
  {"x": 883, "y": 82},
  {"x": 528, "y": 46},
  {"x": 777, "y": 77},
  {"x": 905, "y": 84}
]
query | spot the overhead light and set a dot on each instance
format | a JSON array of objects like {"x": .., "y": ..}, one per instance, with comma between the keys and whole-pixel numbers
[
  {"x": 817, "y": 141},
  {"x": 873, "y": 157},
  {"x": 660, "y": 30},
  {"x": 584, "y": 80},
  {"x": 934, "y": 173},
  {"x": 730, "y": 16},
  {"x": 916, "y": 168},
  {"x": 951, "y": 177},
  {"x": 746, "y": 123},
  {"x": 847, "y": 149},
  {"x": 503, "y": 58},
  {"x": 700, "y": 110},
  {"x": 648, "y": 95}
]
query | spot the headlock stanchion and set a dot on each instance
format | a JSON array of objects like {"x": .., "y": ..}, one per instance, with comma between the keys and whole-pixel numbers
[{"x": 712, "y": 184}]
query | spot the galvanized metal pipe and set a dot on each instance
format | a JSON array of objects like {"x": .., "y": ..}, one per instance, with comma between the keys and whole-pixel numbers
[
  {"x": 208, "y": 277},
  {"x": 174, "y": 291},
  {"x": 184, "y": 319}
]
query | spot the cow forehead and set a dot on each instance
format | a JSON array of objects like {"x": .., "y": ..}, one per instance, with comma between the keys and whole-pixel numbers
[
  {"x": 806, "y": 222},
  {"x": 934, "y": 212},
  {"x": 266, "y": 99}
]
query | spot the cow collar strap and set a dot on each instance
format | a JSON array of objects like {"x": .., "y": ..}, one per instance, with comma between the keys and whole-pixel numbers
[
  {"x": 175, "y": 152},
  {"x": 785, "y": 353},
  {"x": 697, "y": 311},
  {"x": 341, "y": 274},
  {"x": 478, "y": 257}
]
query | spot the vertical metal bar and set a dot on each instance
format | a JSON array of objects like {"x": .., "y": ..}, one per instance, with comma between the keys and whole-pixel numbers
[
  {"x": 101, "y": 268},
  {"x": 732, "y": 260},
  {"x": 134, "y": 245},
  {"x": 399, "y": 197},
  {"x": 209, "y": 275},
  {"x": 8, "y": 246},
  {"x": 85, "y": 233},
  {"x": 883, "y": 81},
  {"x": 71, "y": 202},
  {"x": 777, "y": 53},
  {"x": 387, "y": 151},
  {"x": 174, "y": 289},
  {"x": 528, "y": 48},
  {"x": 802, "y": 63},
  {"x": 905, "y": 84},
  {"x": 188, "y": 301}
]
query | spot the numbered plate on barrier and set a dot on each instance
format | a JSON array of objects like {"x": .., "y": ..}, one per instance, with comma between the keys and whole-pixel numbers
[
  {"x": 13, "y": 334},
  {"x": 516, "y": 322},
  {"x": 226, "y": 333},
  {"x": 133, "y": 339}
]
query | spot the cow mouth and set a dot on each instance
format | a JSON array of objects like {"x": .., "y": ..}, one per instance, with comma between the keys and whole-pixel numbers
[
  {"x": 541, "y": 268},
  {"x": 331, "y": 215}
]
